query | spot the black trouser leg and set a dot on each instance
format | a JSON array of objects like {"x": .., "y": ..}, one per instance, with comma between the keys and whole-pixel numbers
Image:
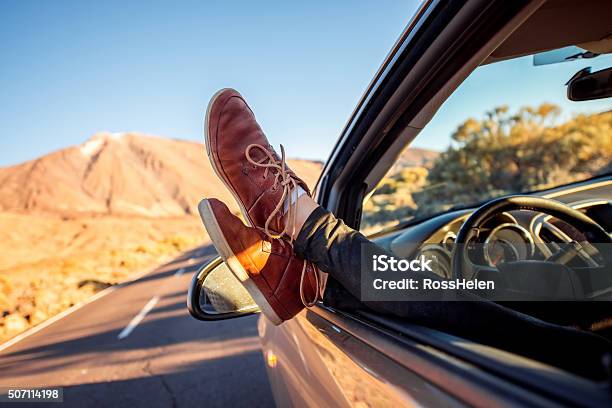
[{"x": 336, "y": 249}]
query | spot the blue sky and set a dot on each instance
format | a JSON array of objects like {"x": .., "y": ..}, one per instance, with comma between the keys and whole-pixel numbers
[
  {"x": 72, "y": 68},
  {"x": 515, "y": 83}
]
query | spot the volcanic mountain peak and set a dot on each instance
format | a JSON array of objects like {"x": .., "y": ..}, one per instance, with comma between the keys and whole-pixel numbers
[
  {"x": 106, "y": 135},
  {"x": 123, "y": 174}
]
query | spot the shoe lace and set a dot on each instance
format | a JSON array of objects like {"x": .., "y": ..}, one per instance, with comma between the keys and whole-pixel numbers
[
  {"x": 284, "y": 178},
  {"x": 316, "y": 275},
  {"x": 288, "y": 184}
]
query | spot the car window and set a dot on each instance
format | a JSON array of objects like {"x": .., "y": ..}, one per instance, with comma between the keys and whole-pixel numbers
[{"x": 509, "y": 128}]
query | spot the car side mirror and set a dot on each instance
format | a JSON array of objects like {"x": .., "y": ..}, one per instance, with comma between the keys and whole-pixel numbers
[
  {"x": 216, "y": 294},
  {"x": 587, "y": 85}
]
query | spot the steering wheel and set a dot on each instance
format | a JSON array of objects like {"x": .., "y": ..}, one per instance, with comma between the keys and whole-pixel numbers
[{"x": 593, "y": 232}]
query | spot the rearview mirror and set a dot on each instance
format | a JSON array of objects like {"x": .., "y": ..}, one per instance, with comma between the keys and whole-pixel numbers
[
  {"x": 216, "y": 294},
  {"x": 587, "y": 85}
]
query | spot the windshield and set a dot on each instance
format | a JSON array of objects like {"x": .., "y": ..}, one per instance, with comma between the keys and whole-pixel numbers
[{"x": 509, "y": 128}]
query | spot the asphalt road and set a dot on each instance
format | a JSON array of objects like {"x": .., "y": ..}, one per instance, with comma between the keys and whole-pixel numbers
[{"x": 168, "y": 359}]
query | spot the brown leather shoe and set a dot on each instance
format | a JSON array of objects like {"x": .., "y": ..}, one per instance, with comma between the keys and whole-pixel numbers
[
  {"x": 250, "y": 168},
  {"x": 268, "y": 268}
]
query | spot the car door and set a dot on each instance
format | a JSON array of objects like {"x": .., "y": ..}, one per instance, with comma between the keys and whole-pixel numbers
[
  {"x": 318, "y": 363},
  {"x": 330, "y": 357}
]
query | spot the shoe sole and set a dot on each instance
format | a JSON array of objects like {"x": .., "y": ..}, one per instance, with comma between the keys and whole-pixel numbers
[
  {"x": 224, "y": 249},
  {"x": 213, "y": 162}
]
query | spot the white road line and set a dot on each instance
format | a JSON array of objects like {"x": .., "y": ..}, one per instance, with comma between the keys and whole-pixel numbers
[
  {"x": 72, "y": 309},
  {"x": 179, "y": 272},
  {"x": 55, "y": 318},
  {"x": 138, "y": 318}
]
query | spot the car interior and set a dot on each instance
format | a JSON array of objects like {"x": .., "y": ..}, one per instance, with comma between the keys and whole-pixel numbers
[{"x": 544, "y": 230}]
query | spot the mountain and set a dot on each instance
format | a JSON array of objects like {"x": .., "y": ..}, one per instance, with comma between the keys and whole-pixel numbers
[
  {"x": 121, "y": 174},
  {"x": 416, "y": 157},
  {"x": 413, "y": 157}
]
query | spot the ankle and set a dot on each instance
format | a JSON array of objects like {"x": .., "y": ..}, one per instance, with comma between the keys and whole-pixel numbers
[{"x": 304, "y": 206}]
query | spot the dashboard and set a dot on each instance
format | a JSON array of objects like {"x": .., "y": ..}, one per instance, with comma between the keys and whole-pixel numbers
[{"x": 511, "y": 236}]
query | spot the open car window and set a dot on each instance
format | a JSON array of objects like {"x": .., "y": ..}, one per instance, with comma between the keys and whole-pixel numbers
[{"x": 509, "y": 128}]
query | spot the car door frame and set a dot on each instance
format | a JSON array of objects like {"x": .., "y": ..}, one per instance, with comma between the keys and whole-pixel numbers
[{"x": 443, "y": 43}]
